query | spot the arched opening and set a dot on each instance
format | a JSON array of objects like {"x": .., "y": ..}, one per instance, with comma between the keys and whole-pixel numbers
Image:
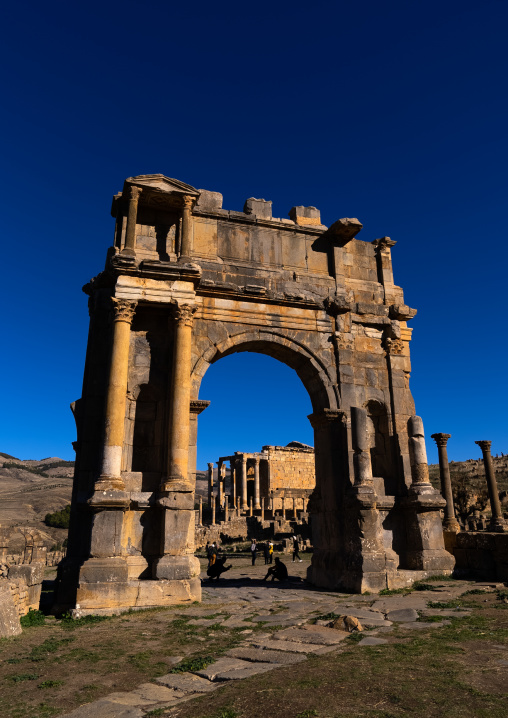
[{"x": 259, "y": 425}]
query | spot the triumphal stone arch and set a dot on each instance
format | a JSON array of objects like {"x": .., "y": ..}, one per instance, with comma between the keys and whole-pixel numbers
[{"x": 186, "y": 283}]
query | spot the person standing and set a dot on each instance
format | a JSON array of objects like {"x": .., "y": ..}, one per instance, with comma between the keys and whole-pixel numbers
[
  {"x": 266, "y": 552},
  {"x": 270, "y": 549},
  {"x": 296, "y": 555},
  {"x": 253, "y": 550}
]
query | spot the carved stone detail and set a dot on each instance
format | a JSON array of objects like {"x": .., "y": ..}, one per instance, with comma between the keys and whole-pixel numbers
[
  {"x": 123, "y": 309},
  {"x": 384, "y": 243},
  {"x": 184, "y": 314}
]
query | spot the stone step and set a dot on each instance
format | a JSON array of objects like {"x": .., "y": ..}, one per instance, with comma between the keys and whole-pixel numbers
[
  {"x": 233, "y": 669},
  {"x": 263, "y": 655}
]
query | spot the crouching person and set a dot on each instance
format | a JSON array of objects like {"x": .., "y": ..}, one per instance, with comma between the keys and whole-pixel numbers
[
  {"x": 279, "y": 571},
  {"x": 217, "y": 568}
]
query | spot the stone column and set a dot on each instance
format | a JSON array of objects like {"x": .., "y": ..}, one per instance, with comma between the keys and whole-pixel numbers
[
  {"x": 220, "y": 480},
  {"x": 177, "y": 478},
  {"x": 497, "y": 522},
  {"x": 130, "y": 233},
  {"x": 210, "y": 484},
  {"x": 186, "y": 243},
  {"x": 238, "y": 506},
  {"x": 361, "y": 459},
  {"x": 295, "y": 515},
  {"x": 418, "y": 455},
  {"x": 213, "y": 510},
  {"x": 262, "y": 509},
  {"x": 233, "y": 480},
  {"x": 176, "y": 496},
  {"x": 200, "y": 510},
  {"x": 250, "y": 507},
  {"x": 257, "y": 505},
  {"x": 226, "y": 507},
  {"x": 424, "y": 542},
  {"x": 110, "y": 478},
  {"x": 245, "y": 505},
  {"x": 450, "y": 523}
]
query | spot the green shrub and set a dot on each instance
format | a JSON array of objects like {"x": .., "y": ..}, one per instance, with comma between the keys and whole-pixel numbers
[
  {"x": 50, "y": 684},
  {"x": 192, "y": 664},
  {"x": 59, "y": 519},
  {"x": 32, "y": 618},
  {"x": 67, "y": 621}
]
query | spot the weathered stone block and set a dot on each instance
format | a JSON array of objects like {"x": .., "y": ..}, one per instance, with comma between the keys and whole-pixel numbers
[{"x": 9, "y": 619}]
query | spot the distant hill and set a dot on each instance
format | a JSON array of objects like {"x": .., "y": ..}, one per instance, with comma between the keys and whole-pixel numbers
[{"x": 29, "y": 489}]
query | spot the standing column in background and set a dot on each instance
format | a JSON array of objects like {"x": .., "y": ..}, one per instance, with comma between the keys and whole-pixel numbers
[
  {"x": 210, "y": 484},
  {"x": 200, "y": 510},
  {"x": 245, "y": 504},
  {"x": 130, "y": 232},
  {"x": 257, "y": 505},
  {"x": 497, "y": 522},
  {"x": 450, "y": 523}
]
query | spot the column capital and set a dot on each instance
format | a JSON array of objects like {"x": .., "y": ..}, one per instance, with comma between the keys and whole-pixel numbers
[
  {"x": 440, "y": 439},
  {"x": 188, "y": 201},
  {"x": 210, "y": 464},
  {"x": 134, "y": 192},
  {"x": 184, "y": 314},
  {"x": 484, "y": 445},
  {"x": 384, "y": 243},
  {"x": 124, "y": 310},
  {"x": 327, "y": 416}
]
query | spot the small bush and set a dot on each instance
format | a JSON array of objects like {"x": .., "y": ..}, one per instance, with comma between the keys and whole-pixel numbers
[
  {"x": 421, "y": 586},
  {"x": 393, "y": 591},
  {"x": 32, "y": 618},
  {"x": 50, "y": 684},
  {"x": 192, "y": 664},
  {"x": 59, "y": 519}
]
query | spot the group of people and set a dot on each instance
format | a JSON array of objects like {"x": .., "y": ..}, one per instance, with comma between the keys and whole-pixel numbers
[{"x": 217, "y": 566}]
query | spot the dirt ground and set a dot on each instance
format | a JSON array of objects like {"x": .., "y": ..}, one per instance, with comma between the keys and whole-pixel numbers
[{"x": 460, "y": 670}]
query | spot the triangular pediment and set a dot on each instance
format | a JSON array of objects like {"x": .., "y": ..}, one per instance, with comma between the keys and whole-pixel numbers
[{"x": 162, "y": 183}]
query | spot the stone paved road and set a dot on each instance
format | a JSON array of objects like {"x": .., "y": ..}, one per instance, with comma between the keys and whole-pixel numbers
[{"x": 294, "y": 606}]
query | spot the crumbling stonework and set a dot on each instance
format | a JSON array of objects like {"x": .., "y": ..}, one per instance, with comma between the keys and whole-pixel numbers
[{"x": 186, "y": 283}]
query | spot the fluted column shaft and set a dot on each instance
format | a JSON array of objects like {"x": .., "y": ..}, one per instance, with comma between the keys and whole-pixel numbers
[
  {"x": 132, "y": 215},
  {"x": 186, "y": 244},
  {"x": 450, "y": 523},
  {"x": 210, "y": 484},
  {"x": 115, "y": 402},
  {"x": 497, "y": 522},
  {"x": 177, "y": 478},
  {"x": 257, "y": 504},
  {"x": 245, "y": 505}
]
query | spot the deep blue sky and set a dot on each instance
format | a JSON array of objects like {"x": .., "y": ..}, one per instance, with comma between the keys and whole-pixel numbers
[{"x": 395, "y": 113}]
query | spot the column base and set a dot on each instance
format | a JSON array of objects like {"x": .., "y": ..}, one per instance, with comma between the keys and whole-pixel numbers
[
  {"x": 498, "y": 526},
  {"x": 110, "y": 598},
  {"x": 105, "y": 496},
  {"x": 176, "y": 568},
  {"x": 451, "y": 525}
]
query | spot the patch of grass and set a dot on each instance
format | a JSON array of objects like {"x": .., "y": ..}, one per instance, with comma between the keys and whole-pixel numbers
[
  {"x": 326, "y": 617},
  {"x": 423, "y": 586},
  {"x": 67, "y": 621},
  {"x": 355, "y": 637},
  {"x": 431, "y": 619},
  {"x": 32, "y": 618},
  {"x": 443, "y": 604},
  {"x": 14, "y": 660},
  {"x": 393, "y": 591},
  {"x": 192, "y": 664},
  {"x": 307, "y": 713},
  {"x": 50, "y": 684},
  {"x": 475, "y": 592},
  {"x": 440, "y": 578},
  {"x": 24, "y": 677},
  {"x": 50, "y": 645}
]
